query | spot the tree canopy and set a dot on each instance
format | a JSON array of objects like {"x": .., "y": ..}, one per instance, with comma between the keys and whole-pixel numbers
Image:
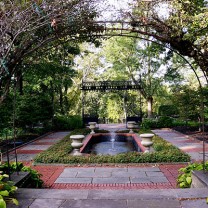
[
  {"x": 26, "y": 26},
  {"x": 180, "y": 25}
]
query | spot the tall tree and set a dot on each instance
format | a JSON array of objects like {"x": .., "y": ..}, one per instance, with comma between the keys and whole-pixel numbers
[
  {"x": 137, "y": 60},
  {"x": 179, "y": 24}
]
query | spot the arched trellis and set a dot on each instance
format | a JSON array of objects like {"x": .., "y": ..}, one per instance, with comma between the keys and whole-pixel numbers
[
  {"x": 109, "y": 86},
  {"x": 125, "y": 29}
]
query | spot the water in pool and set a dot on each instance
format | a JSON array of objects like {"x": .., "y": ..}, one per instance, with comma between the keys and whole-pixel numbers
[{"x": 112, "y": 145}]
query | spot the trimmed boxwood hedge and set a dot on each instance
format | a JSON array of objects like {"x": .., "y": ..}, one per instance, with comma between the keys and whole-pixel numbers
[{"x": 59, "y": 153}]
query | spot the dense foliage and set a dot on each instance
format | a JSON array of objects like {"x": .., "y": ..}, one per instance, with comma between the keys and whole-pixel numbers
[
  {"x": 33, "y": 180},
  {"x": 36, "y": 25},
  {"x": 168, "y": 110},
  {"x": 67, "y": 122},
  {"x": 7, "y": 189},
  {"x": 184, "y": 179},
  {"x": 40, "y": 74}
]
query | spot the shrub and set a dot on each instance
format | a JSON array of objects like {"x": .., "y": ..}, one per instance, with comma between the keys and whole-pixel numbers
[
  {"x": 162, "y": 122},
  {"x": 7, "y": 189},
  {"x": 178, "y": 122},
  {"x": 165, "y": 121},
  {"x": 33, "y": 181},
  {"x": 67, "y": 122},
  {"x": 167, "y": 110},
  {"x": 149, "y": 123},
  {"x": 184, "y": 179}
]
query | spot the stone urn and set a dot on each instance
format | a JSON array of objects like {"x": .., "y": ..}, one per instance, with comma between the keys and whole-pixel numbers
[
  {"x": 77, "y": 143},
  {"x": 147, "y": 141},
  {"x": 130, "y": 126},
  {"x": 92, "y": 127}
]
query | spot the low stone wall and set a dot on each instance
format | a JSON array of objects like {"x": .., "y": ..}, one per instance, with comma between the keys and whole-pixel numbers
[{"x": 199, "y": 179}]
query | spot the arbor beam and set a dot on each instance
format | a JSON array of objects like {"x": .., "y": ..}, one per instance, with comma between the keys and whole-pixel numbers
[{"x": 110, "y": 85}]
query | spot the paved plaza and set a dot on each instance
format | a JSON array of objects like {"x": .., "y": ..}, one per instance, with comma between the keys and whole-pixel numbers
[
  {"x": 121, "y": 185},
  {"x": 154, "y": 198}
]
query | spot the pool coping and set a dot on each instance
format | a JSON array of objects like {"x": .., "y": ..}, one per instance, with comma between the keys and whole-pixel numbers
[{"x": 136, "y": 138}]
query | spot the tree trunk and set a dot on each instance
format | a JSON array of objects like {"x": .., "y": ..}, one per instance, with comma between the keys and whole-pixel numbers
[
  {"x": 20, "y": 82},
  {"x": 124, "y": 108},
  {"x": 149, "y": 107},
  {"x": 61, "y": 100}
]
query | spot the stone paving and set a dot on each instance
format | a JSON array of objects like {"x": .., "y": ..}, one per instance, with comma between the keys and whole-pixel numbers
[
  {"x": 29, "y": 151},
  {"x": 103, "y": 175},
  {"x": 158, "y": 198},
  {"x": 186, "y": 143},
  {"x": 110, "y": 177}
]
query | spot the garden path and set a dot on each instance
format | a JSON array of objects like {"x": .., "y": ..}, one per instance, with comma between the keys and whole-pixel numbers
[
  {"x": 187, "y": 144},
  {"x": 27, "y": 152}
]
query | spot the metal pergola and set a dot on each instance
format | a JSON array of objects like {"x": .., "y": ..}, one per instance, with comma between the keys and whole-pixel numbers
[{"x": 108, "y": 86}]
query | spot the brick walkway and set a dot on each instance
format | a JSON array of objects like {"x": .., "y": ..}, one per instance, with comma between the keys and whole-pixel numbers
[{"x": 29, "y": 151}]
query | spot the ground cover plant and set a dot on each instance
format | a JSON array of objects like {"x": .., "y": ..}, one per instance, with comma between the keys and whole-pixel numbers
[
  {"x": 7, "y": 190},
  {"x": 32, "y": 181},
  {"x": 184, "y": 179},
  {"x": 59, "y": 153}
]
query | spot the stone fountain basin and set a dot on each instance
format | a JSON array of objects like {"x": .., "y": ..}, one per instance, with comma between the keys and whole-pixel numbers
[{"x": 103, "y": 143}]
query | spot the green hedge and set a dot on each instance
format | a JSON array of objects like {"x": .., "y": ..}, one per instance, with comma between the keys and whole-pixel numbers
[
  {"x": 165, "y": 122},
  {"x": 168, "y": 110},
  {"x": 59, "y": 153},
  {"x": 67, "y": 122}
]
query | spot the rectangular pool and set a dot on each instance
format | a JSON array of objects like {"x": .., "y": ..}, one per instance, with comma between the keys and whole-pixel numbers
[{"x": 110, "y": 144}]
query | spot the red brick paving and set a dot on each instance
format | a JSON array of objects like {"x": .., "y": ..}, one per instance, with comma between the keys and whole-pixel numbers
[
  {"x": 188, "y": 141},
  {"x": 194, "y": 149},
  {"x": 171, "y": 172},
  {"x": 113, "y": 186},
  {"x": 49, "y": 173},
  {"x": 43, "y": 143}
]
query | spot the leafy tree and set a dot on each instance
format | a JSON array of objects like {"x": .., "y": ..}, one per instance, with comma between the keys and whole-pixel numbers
[
  {"x": 27, "y": 26},
  {"x": 187, "y": 101},
  {"x": 181, "y": 24},
  {"x": 114, "y": 108},
  {"x": 33, "y": 109},
  {"x": 132, "y": 58}
]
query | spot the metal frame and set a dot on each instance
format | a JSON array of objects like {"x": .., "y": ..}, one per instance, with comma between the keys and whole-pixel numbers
[
  {"x": 110, "y": 85},
  {"x": 106, "y": 86}
]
